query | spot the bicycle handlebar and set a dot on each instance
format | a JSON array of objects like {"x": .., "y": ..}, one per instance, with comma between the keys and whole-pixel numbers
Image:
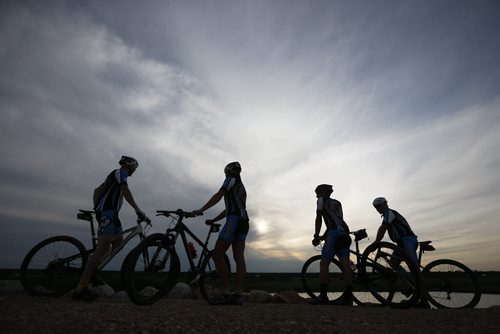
[
  {"x": 178, "y": 212},
  {"x": 144, "y": 219}
]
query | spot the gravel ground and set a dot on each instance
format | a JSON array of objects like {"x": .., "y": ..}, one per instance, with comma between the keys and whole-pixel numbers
[{"x": 21, "y": 313}]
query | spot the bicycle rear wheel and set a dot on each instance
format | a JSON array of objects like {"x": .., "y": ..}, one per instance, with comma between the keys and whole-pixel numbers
[
  {"x": 390, "y": 276},
  {"x": 451, "y": 284},
  {"x": 336, "y": 284},
  {"x": 53, "y": 267},
  {"x": 151, "y": 270},
  {"x": 209, "y": 281}
]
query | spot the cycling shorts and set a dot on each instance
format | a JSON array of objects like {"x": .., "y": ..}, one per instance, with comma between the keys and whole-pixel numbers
[
  {"x": 235, "y": 229},
  {"x": 409, "y": 245},
  {"x": 109, "y": 224},
  {"x": 328, "y": 252}
]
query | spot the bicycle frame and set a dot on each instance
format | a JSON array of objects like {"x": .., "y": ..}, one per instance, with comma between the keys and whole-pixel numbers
[
  {"x": 180, "y": 229},
  {"x": 130, "y": 234}
]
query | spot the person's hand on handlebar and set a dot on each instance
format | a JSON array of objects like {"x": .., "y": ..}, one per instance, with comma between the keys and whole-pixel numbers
[
  {"x": 140, "y": 214},
  {"x": 316, "y": 240},
  {"x": 198, "y": 212}
]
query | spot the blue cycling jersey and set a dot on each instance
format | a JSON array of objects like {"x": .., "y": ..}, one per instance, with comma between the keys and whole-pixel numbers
[
  {"x": 113, "y": 198},
  {"x": 331, "y": 211},
  {"x": 397, "y": 226},
  {"x": 235, "y": 196}
]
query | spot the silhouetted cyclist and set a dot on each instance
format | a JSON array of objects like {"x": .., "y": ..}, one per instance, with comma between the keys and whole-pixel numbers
[
  {"x": 109, "y": 203},
  {"x": 399, "y": 232},
  {"x": 235, "y": 230},
  {"x": 337, "y": 243}
]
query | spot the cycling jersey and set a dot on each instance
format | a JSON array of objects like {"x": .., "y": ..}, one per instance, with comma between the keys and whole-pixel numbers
[
  {"x": 331, "y": 210},
  {"x": 235, "y": 197},
  {"x": 397, "y": 226},
  {"x": 113, "y": 197}
]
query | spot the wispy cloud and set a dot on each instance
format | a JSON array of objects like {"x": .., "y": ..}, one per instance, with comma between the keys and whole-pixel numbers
[{"x": 299, "y": 94}]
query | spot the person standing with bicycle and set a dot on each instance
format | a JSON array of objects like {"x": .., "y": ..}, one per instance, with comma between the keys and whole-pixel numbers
[
  {"x": 337, "y": 242},
  {"x": 108, "y": 202},
  {"x": 401, "y": 234},
  {"x": 235, "y": 230},
  {"x": 398, "y": 229}
]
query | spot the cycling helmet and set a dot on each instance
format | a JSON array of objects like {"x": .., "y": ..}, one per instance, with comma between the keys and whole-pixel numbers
[
  {"x": 379, "y": 201},
  {"x": 324, "y": 188},
  {"x": 233, "y": 168},
  {"x": 128, "y": 161}
]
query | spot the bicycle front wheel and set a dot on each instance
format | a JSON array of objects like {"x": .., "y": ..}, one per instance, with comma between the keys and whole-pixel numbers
[
  {"x": 53, "y": 267},
  {"x": 390, "y": 276},
  {"x": 151, "y": 270},
  {"x": 451, "y": 284},
  {"x": 209, "y": 281},
  {"x": 362, "y": 295},
  {"x": 336, "y": 282}
]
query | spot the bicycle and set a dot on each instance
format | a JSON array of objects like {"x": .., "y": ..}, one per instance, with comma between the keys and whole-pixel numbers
[
  {"x": 153, "y": 267},
  {"x": 448, "y": 283},
  {"x": 381, "y": 276},
  {"x": 54, "y": 266}
]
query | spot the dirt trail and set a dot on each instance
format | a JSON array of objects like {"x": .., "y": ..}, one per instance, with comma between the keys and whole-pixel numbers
[{"x": 21, "y": 313}]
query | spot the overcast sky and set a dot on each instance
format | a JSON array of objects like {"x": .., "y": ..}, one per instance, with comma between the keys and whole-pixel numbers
[{"x": 378, "y": 98}]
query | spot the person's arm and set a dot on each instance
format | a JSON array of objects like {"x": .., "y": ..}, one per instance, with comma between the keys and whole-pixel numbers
[
  {"x": 127, "y": 194},
  {"x": 380, "y": 232},
  {"x": 211, "y": 202},
  {"x": 216, "y": 219},
  {"x": 317, "y": 228},
  {"x": 317, "y": 223}
]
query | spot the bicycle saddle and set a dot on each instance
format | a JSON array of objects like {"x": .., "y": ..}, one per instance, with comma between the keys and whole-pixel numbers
[
  {"x": 85, "y": 215},
  {"x": 426, "y": 246}
]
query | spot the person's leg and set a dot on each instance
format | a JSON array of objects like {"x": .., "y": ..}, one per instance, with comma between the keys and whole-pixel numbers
[
  {"x": 103, "y": 244},
  {"x": 221, "y": 246},
  {"x": 116, "y": 242},
  {"x": 327, "y": 254},
  {"x": 410, "y": 245},
  {"x": 346, "y": 269},
  {"x": 239, "y": 257},
  {"x": 109, "y": 225}
]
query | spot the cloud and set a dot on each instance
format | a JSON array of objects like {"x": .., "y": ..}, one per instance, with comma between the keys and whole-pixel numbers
[
  {"x": 377, "y": 105},
  {"x": 87, "y": 99}
]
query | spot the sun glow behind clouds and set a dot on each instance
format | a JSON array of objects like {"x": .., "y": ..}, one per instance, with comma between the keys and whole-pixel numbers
[
  {"x": 260, "y": 225},
  {"x": 290, "y": 102}
]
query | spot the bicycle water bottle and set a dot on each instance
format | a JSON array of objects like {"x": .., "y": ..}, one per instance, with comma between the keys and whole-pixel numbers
[{"x": 192, "y": 250}]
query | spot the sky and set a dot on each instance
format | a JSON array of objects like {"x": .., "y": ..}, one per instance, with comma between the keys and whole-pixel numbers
[{"x": 399, "y": 99}]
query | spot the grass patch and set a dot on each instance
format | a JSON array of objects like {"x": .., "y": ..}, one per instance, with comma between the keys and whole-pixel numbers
[{"x": 272, "y": 282}]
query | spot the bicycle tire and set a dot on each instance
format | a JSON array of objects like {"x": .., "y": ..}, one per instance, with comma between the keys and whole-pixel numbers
[
  {"x": 151, "y": 270},
  {"x": 209, "y": 281},
  {"x": 311, "y": 283},
  {"x": 53, "y": 267},
  {"x": 395, "y": 285},
  {"x": 122, "y": 269},
  {"x": 451, "y": 284},
  {"x": 363, "y": 295}
]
